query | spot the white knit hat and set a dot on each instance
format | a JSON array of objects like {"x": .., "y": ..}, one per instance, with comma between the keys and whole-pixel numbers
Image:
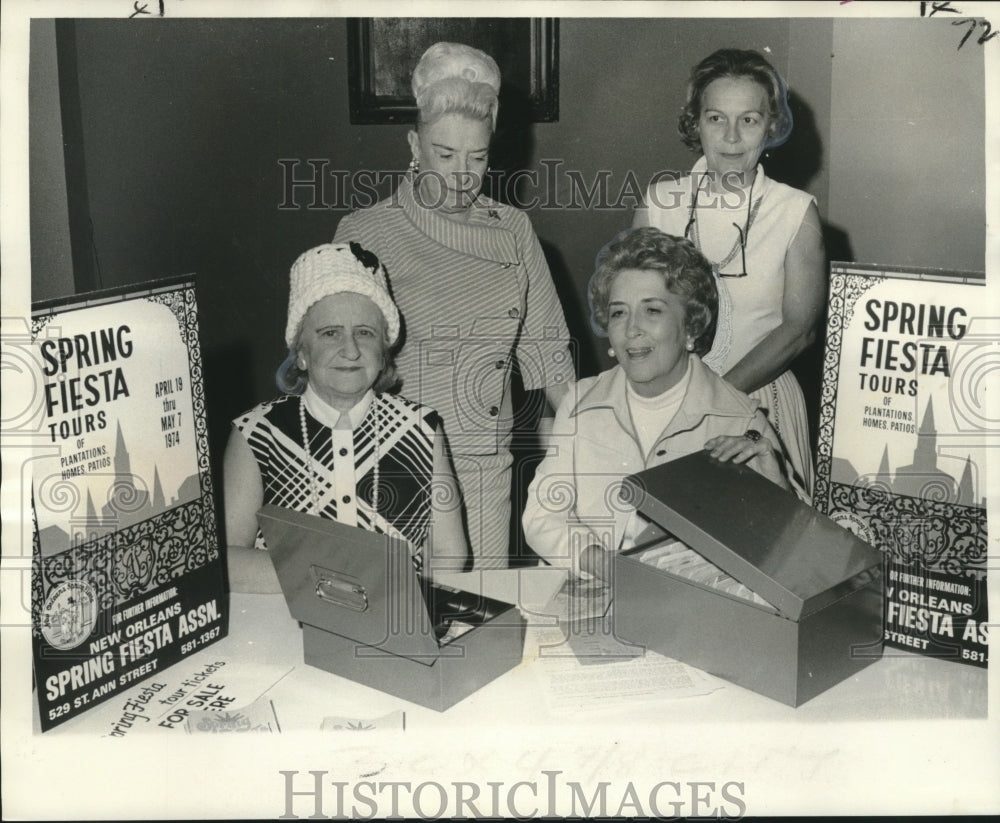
[{"x": 334, "y": 268}]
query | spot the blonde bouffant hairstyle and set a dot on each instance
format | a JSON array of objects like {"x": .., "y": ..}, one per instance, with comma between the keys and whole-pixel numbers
[{"x": 453, "y": 78}]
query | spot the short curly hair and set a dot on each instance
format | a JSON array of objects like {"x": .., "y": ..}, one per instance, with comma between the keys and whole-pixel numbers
[
  {"x": 685, "y": 272},
  {"x": 736, "y": 63}
]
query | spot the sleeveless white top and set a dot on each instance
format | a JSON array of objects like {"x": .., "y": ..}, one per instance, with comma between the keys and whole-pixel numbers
[{"x": 749, "y": 307}]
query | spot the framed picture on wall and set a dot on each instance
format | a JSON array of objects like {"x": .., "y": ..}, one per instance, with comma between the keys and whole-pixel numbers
[{"x": 383, "y": 51}]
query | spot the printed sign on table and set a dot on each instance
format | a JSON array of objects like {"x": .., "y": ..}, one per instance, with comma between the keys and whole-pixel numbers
[
  {"x": 903, "y": 439},
  {"x": 127, "y": 574}
]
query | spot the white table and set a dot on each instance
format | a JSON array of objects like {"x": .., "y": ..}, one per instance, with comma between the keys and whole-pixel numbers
[
  {"x": 263, "y": 657},
  {"x": 906, "y": 734}
]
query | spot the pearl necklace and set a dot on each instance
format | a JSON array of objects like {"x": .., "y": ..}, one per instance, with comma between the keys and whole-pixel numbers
[{"x": 313, "y": 496}]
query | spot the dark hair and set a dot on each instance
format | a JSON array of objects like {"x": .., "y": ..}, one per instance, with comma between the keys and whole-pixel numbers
[
  {"x": 290, "y": 379},
  {"x": 685, "y": 272},
  {"x": 736, "y": 63}
]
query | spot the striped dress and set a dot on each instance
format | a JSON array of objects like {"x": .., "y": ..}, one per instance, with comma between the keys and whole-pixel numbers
[
  {"x": 475, "y": 297},
  {"x": 405, "y": 435}
]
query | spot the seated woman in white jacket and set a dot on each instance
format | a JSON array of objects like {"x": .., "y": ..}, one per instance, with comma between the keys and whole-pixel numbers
[{"x": 654, "y": 296}]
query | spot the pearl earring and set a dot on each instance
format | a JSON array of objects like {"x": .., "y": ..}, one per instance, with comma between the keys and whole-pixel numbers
[
  {"x": 611, "y": 352},
  {"x": 414, "y": 166},
  {"x": 690, "y": 344}
]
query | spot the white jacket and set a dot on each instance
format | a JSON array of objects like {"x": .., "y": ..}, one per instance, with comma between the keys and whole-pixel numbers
[{"x": 573, "y": 500}]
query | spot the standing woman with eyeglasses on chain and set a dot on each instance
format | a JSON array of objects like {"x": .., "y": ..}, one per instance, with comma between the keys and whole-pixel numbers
[{"x": 762, "y": 237}]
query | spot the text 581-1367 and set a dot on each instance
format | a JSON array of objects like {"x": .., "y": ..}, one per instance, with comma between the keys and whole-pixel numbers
[{"x": 201, "y": 640}]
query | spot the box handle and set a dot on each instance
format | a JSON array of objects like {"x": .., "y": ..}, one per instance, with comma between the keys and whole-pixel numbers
[{"x": 332, "y": 589}]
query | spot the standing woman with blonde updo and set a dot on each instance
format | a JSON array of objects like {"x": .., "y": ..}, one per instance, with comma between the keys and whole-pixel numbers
[
  {"x": 471, "y": 283},
  {"x": 762, "y": 237}
]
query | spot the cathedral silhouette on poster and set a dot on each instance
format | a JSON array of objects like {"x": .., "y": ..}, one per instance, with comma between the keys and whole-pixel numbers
[
  {"x": 129, "y": 502},
  {"x": 922, "y": 477}
]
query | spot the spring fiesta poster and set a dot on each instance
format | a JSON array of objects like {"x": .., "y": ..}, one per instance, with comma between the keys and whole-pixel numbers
[
  {"x": 903, "y": 442},
  {"x": 127, "y": 575}
]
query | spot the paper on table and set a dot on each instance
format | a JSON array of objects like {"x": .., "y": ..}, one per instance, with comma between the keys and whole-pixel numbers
[
  {"x": 394, "y": 721},
  {"x": 571, "y": 683},
  {"x": 258, "y": 717}
]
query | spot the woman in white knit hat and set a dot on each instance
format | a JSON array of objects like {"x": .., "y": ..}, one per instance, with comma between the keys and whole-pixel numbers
[
  {"x": 337, "y": 445},
  {"x": 473, "y": 284}
]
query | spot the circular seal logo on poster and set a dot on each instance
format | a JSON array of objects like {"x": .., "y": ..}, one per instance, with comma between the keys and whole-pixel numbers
[
  {"x": 854, "y": 524},
  {"x": 69, "y": 614}
]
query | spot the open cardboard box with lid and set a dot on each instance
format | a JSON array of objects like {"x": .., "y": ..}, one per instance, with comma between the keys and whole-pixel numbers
[
  {"x": 774, "y": 597},
  {"x": 367, "y": 615}
]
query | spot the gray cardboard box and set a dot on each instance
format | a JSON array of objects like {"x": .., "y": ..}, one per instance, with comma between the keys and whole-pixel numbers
[
  {"x": 367, "y": 615},
  {"x": 822, "y": 619}
]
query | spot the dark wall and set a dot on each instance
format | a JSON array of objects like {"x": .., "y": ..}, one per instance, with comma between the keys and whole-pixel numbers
[{"x": 48, "y": 208}]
